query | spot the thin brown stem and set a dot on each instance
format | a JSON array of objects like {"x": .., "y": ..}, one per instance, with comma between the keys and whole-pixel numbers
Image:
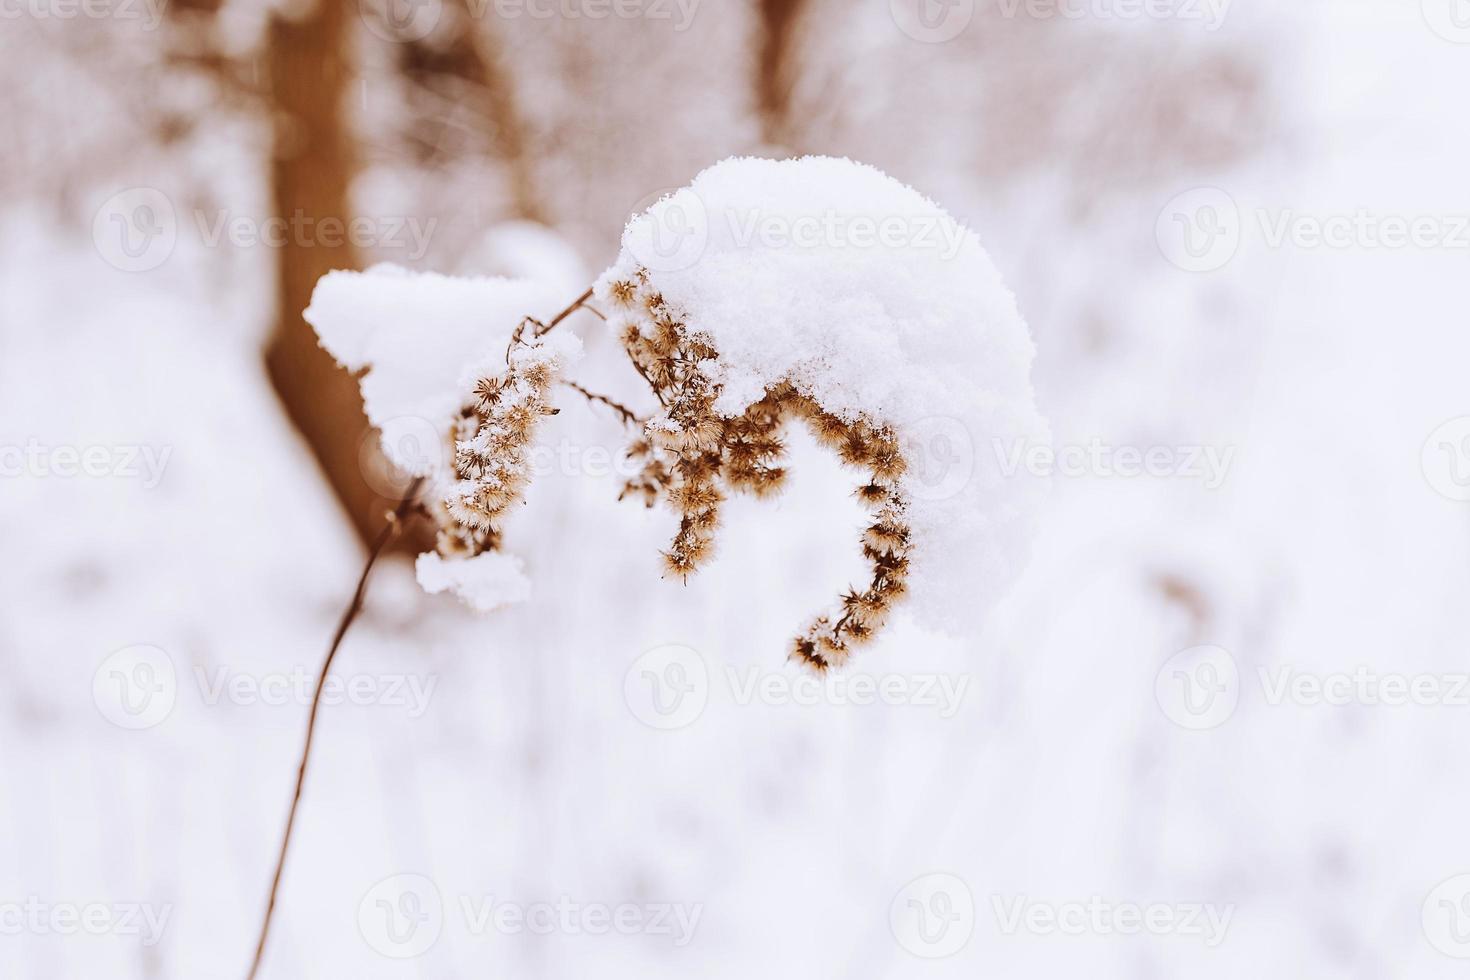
[
  {"x": 628, "y": 416},
  {"x": 385, "y": 537},
  {"x": 539, "y": 329},
  {"x": 581, "y": 301}
]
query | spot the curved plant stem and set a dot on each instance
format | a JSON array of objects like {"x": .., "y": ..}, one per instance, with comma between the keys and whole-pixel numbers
[
  {"x": 385, "y": 537},
  {"x": 580, "y": 302},
  {"x": 626, "y": 414}
]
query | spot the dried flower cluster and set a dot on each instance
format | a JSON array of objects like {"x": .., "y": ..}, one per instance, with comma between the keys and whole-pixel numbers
[
  {"x": 692, "y": 455},
  {"x": 491, "y": 450}
]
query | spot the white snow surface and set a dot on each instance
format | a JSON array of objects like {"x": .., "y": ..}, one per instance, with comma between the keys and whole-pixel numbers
[
  {"x": 875, "y": 302},
  {"x": 416, "y": 336},
  {"x": 485, "y": 582},
  {"x": 421, "y": 341}
]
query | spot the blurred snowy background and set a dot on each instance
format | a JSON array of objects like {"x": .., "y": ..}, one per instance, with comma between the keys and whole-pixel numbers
[{"x": 1216, "y": 729}]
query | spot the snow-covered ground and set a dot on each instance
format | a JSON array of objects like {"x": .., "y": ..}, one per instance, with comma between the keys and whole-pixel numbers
[{"x": 1128, "y": 773}]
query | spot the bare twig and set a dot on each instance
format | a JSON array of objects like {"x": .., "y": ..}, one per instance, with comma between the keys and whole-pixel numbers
[
  {"x": 389, "y": 532},
  {"x": 581, "y": 301},
  {"x": 540, "y": 329},
  {"x": 628, "y": 416}
]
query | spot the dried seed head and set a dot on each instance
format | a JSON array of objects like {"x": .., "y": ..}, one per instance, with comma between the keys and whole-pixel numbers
[
  {"x": 704, "y": 451},
  {"x": 692, "y": 498},
  {"x": 623, "y": 292},
  {"x": 804, "y": 652},
  {"x": 492, "y": 437}
]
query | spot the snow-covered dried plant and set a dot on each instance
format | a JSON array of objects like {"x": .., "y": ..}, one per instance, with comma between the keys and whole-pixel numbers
[
  {"x": 817, "y": 292},
  {"x": 766, "y": 294}
]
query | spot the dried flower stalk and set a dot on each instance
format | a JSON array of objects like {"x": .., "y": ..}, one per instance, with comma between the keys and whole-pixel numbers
[
  {"x": 693, "y": 455},
  {"x": 492, "y": 442}
]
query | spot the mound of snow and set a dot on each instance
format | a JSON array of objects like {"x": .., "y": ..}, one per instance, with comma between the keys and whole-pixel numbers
[
  {"x": 419, "y": 337},
  {"x": 872, "y": 300}
]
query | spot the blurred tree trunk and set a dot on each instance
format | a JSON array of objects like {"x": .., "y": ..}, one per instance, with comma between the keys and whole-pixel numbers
[
  {"x": 310, "y": 72},
  {"x": 773, "y": 84}
]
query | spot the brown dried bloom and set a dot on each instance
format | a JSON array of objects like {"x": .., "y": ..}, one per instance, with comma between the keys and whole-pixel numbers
[
  {"x": 693, "y": 454},
  {"x": 492, "y": 437}
]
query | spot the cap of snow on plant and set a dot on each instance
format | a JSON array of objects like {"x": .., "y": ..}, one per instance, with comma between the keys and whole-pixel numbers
[
  {"x": 818, "y": 291},
  {"x": 455, "y": 396},
  {"x": 824, "y": 291}
]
